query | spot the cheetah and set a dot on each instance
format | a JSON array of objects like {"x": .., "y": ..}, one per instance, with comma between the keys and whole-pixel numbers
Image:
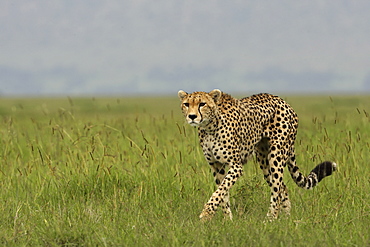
[{"x": 231, "y": 130}]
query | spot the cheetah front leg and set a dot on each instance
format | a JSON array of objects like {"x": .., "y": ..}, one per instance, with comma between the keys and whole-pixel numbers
[
  {"x": 221, "y": 195},
  {"x": 225, "y": 205},
  {"x": 219, "y": 173}
]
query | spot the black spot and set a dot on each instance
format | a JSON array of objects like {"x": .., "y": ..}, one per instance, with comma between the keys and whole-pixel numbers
[{"x": 295, "y": 169}]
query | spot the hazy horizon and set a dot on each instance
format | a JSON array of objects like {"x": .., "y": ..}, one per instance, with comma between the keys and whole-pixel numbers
[{"x": 156, "y": 48}]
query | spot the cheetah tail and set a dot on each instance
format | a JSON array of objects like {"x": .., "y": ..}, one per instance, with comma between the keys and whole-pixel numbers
[
  {"x": 321, "y": 171},
  {"x": 324, "y": 169}
]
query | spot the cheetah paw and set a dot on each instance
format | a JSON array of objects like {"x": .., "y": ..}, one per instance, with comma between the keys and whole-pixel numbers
[{"x": 206, "y": 215}]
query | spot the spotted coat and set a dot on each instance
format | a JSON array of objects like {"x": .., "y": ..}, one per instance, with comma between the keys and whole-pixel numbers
[{"x": 231, "y": 130}]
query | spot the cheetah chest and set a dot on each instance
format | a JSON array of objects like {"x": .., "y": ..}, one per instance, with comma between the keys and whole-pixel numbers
[{"x": 225, "y": 151}]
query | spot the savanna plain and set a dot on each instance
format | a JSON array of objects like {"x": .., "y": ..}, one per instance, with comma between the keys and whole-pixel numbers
[{"x": 130, "y": 172}]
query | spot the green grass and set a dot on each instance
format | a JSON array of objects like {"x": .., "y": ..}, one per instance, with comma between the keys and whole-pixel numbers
[{"x": 129, "y": 172}]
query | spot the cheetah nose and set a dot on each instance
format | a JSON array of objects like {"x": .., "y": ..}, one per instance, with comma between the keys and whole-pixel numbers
[{"x": 192, "y": 116}]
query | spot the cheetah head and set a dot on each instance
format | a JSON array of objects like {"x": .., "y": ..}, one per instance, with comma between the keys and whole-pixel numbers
[{"x": 199, "y": 107}]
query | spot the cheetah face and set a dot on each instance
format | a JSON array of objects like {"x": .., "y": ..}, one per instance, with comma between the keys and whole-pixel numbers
[{"x": 199, "y": 107}]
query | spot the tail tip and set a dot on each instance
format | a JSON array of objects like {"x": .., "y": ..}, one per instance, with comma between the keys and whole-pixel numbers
[
  {"x": 324, "y": 169},
  {"x": 335, "y": 166}
]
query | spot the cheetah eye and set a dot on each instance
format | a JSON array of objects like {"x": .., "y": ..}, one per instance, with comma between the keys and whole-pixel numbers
[
  {"x": 186, "y": 104},
  {"x": 202, "y": 104}
]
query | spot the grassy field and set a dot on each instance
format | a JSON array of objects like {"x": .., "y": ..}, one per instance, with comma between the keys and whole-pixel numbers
[{"x": 129, "y": 172}]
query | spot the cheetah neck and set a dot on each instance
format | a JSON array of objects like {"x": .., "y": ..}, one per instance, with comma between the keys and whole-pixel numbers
[{"x": 212, "y": 123}]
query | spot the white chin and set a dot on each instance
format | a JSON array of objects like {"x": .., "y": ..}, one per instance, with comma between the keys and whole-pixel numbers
[{"x": 194, "y": 124}]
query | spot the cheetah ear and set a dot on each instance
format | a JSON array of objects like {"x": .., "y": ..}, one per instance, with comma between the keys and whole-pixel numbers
[
  {"x": 215, "y": 94},
  {"x": 182, "y": 94}
]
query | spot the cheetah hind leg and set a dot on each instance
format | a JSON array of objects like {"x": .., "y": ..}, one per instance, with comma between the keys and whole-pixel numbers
[
  {"x": 282, "y": 204},
  {"x": 285, "y": 202}
]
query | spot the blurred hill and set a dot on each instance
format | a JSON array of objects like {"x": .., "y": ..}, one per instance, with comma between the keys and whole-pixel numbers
[{"x": 158, "y": 47}]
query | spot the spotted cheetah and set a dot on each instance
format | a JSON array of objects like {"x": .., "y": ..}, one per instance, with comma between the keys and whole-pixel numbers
[{"x": 231, "y": 130}]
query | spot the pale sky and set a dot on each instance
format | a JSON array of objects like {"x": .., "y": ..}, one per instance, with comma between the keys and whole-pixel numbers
[{"x": 114, "y": 47}]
